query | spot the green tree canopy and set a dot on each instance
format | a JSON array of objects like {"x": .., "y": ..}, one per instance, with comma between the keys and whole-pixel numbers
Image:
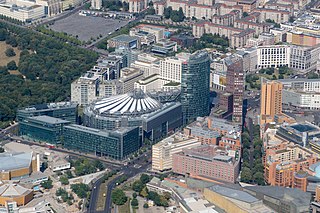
[
  {"x": 10, "y": 52},
  {"x": 118, "y": 197},
  {"x": 246, "y": 175}
]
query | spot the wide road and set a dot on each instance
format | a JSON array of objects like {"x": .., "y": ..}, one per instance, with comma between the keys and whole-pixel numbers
[{"x": 129, "y": 171}]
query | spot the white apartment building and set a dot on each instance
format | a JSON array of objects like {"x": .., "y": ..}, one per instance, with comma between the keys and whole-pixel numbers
[
  {"x": 25, "y": 11},
  {"x": 96, "y": 4},
  {"x": 304, "y": 58},
  {"x": 128, "y": 77},
  {"x": 273, "y": 56},
  {"x": 301, "y": 84},
  {"x": 84, "y": 90},
  {"x": 300, "y": 99},
  {"x": 94, "y": 85},
  {"x": 171, "y": 68},
  {"x": 162, "y": 152},
  {"x": 147, "y": 63},
  {"x": 153, "y": 82}
]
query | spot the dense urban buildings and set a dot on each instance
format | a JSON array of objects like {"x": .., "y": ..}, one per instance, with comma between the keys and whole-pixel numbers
[
  {"x": 271, "y": 100},
  {"x": 14, "y": 192},
  {"x": 207, "y": 161},
  {"x": 301, "y": 93},
  {"x": 15, "y": 166},
  {"x": 135, "y": 109},
  {"x": 163, "y": 151},
  {"x": 63, "y": 110},
  {"x": 234, "y": 200},
  {"x": 282, "y": 162},
  {"x": 235, "y": 86},
  {"x": 43, "y": 128},
  {"x": 299, "y": 133},
  {"x": 195, "y": 83},
  {"x": 116, "y": 144}
]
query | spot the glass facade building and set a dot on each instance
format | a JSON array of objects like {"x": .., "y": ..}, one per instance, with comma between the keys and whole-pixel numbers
[
  {"x": 117, "y": 144},
  {"x": 43, "y": 128},
  {"x": 136, "y": 109},
  {"x": 195, "y": 86},
  {"x": 63, "y": 110}
]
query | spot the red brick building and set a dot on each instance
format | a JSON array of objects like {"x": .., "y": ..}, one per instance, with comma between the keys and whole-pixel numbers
[{"x": 207, "y": 161}]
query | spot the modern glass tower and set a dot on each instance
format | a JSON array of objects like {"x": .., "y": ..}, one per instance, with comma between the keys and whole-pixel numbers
[{"x": 195, "y": 86}]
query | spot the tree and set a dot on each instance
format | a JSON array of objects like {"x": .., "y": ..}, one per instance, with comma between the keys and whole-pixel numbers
[
  {"x": 259, "y": 178},
  {"x": 145, "y": 206},
  {"x": 144, "y": 192},
  {"x": 245, "y": 14},
  {"x": 12, "y": 65},
  {"x": 177, "y": 16},
  {"x": 313, "y": 75},
  {"x": 291, "y": 19},
  {"x": 80, "y": 189},
  {"x": 3, "y": 34},
  {"x": 69, "y": 174},
  {"x": 47, "y": 184},
  {"x": 246, "y": 175},
  {"x": 10, "y": 52},
  {"x": 98, "y": 165},
  {"x": 144, "y": 178},
  {"x": 64, "y": 180},
  {"x": 1, "y": 149},
  {"x": 137, "y": 186},
  {"x": 134, "y": 195},
  {"x": 151, "y": 11},
  {"x": 118, "y": 197},
  {"x": 134, "y": 202},
  {"x": 167, "y": 12}
]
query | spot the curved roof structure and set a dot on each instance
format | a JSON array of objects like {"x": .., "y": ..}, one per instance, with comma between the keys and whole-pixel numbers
[{"x": 136, "y": 103}]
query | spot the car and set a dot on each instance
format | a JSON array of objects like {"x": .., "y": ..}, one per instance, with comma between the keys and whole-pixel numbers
[{"x": 104, "y": 194}]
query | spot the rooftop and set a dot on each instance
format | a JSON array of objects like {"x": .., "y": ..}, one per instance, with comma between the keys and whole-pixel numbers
[
  {"x": 135, "y": 102},
  {"x": 49, "y": 106},
  {"x": 124, "y": 38},
  {"x": 14, "y": 161},
  {"x": 48, "y": 119},
  {"x": 11, "y": 189},
  {"x": 233, "y": 194}
]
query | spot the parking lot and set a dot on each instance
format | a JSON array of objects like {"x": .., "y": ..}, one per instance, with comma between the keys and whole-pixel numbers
[{"x": 87, "y": 27}]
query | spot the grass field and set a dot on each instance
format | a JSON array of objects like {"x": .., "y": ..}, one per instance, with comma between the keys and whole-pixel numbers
[
  {"x": 4, "y": 60},
  {"x": 101, "y": 202}
]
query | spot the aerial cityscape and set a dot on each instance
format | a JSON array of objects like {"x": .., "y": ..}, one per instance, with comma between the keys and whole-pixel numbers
[{"x": 159, "y": 106}]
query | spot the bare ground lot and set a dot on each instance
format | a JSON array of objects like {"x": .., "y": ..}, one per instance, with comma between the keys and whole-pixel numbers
[
  {"x": 4, "y": 60},
  {"x": 86, "y": 27}
]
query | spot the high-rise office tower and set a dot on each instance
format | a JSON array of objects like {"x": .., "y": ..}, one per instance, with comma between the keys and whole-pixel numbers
[
  {"x": 235, "y": 86},
  {"x": 195, "y": 91},
  {"x": 271, "y": 100}
]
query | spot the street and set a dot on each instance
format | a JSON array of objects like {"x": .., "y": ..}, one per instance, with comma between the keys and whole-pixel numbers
[{"x": 129, "y": 171}]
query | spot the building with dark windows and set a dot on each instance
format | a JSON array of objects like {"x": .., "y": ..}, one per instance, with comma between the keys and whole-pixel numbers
[
  {"x": 235, "y": 86},
  {"x": 195, "y": 83},
  {"x": 117, "y": 144},
  {"x": 300, "y": 133},
  {"x": 135, "y": 109},
  {"x": 43, "y": 128},
  {"x": 63, "y": 110}
]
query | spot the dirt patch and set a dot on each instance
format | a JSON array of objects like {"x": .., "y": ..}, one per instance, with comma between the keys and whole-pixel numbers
[{"x": 4, "y": 60}]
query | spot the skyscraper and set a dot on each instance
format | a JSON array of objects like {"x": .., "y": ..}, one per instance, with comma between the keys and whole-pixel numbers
[
  {"x": 235, "y": 86},
  {"x": 195, "y": 91},
  {"x": 271, "y": 100}
]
